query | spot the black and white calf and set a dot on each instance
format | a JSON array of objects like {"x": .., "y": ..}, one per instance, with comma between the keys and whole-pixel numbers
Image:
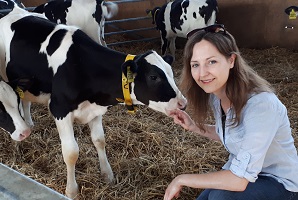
[
  {"x": 177, "y": 18},
  {"x": 88, "y": 15},
  {"x": 79, "y": 79}
]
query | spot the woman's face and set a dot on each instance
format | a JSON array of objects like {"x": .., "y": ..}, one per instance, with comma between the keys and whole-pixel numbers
[{"x": 209, "y": 68}]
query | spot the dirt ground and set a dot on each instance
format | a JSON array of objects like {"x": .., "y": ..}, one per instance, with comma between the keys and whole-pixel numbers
[{"x": 146, "y": 150}]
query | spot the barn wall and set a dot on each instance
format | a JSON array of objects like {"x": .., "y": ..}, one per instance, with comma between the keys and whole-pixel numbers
[{"x": 259, "y": 24}]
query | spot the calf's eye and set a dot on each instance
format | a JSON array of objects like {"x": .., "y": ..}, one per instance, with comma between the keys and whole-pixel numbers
[{"x": 153, "y": 78}]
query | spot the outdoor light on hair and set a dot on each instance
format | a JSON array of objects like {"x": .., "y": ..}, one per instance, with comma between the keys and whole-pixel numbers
[{"x": 215, "y": 28}]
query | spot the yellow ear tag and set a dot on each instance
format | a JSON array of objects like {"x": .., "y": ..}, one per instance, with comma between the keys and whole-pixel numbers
[
  {"x": 20, "y": 92},
  {"x": 292, "y": 14}
]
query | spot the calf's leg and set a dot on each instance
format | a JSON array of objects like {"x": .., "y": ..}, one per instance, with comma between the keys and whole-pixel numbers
[
  {"x": 164, "y": 43},
  {"x": 98, "y": 139},
  {"x": 70, "y": 151}
]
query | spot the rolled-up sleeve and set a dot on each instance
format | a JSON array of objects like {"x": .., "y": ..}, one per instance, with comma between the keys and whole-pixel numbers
[{"x": 239, "y": 166}]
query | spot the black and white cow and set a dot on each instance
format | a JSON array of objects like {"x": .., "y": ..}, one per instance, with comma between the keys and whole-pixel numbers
[
  {"x": 177, "y": 18},
  {"x": 88, "y": 15},
  {"x": 79, "y": 79}
]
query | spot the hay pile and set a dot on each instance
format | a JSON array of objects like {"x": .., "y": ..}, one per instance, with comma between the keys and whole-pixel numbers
[{"x": 147, "y": 150}]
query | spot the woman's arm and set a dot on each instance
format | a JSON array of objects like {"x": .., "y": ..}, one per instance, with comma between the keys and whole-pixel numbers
[
  {"x": 184, "y": 120},
  {"x": 223, "y": 180}
]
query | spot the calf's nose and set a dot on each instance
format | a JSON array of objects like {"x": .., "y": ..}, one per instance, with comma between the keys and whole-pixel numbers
[
  {"x": 25, "y": 134},
  {"x": 19, "y": 136},
  {"x": 182, "y": 104}
]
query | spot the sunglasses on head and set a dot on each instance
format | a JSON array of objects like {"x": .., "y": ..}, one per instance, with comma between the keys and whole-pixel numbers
[{"x": 215, "y": 28}]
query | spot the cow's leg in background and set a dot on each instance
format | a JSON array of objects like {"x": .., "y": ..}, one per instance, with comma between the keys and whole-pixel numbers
[
  {"x": 70, "y": 152},
  {"x": 164, "y": 43},
  {"x": 98, "y": 139},
  {"x": 101, "y": 32},
  {"x": 172, "y": 46},
  {"x": 27, "y": 113}
]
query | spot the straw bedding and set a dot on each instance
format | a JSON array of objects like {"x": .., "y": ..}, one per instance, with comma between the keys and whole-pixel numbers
[{"x": 146, "y": 150}]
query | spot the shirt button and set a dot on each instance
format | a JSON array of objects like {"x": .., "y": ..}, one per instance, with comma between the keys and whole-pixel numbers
[{"x": 246, "y": 156}]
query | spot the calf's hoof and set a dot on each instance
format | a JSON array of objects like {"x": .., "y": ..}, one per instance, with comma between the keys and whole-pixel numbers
[
  {"x": 108, "y": 178},
  {"x": 72, "y": 194}
]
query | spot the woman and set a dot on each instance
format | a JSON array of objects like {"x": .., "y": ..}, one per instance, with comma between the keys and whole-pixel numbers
[{"x": 250, "y": 121}]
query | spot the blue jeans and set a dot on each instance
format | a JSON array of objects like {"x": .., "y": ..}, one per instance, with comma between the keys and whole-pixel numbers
[{"x": 265, "y": 188}]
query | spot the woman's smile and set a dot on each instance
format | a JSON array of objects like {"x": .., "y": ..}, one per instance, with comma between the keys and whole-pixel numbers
[{"x": 207, "y": 81}]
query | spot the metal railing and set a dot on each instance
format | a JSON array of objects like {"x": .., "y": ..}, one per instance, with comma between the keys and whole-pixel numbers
[{"x": 133, "y": 32}]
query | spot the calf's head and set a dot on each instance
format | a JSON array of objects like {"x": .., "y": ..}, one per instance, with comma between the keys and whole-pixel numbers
[
  {"x": 154, "y": 83},
  {"x": 11, "y": 113},
  {"x": 153, "y": 13}
]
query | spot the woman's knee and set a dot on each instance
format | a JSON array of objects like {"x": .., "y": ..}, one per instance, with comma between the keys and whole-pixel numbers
[
  {"x": 221, "y": 195},
  {"x": 212, "y": 194},
  {"x": 204, "y": 195}
]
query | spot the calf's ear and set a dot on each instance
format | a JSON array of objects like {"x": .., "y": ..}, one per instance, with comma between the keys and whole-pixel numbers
[
  {"x": 169, "y": 59},
  {"x": 22, "y": 83},
  {"x": 132, "y": 66}
]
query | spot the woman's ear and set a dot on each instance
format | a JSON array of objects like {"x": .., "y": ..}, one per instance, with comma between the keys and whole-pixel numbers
[{"x": 232, "y": 59}]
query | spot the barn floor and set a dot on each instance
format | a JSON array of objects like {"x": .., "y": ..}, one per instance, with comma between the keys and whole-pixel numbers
[{"x": 146, "y": 150}]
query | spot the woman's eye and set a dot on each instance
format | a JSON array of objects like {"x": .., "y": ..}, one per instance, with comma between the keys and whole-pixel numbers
[
  {"x": 211, "y": 62},
  {"x": 194, "y": 65}
]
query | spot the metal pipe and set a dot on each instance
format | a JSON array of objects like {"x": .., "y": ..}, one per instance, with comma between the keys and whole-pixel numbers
[
  {"x": 132, "y": 41},
  {"x": 129, "y": 31},
  {"x": 126, "y": 20}
]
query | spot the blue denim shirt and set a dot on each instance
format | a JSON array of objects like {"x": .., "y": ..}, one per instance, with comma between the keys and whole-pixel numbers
[{"x": 262, "y": 143}]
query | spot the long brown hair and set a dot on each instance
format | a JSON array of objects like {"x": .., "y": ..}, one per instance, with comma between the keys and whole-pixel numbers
[{"x": 242, "y": 81}]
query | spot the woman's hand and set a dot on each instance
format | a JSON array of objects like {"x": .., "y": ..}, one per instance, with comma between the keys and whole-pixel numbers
[
  {"x": 183, "y": 119},
  {"x": 173, "y": 189}
]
